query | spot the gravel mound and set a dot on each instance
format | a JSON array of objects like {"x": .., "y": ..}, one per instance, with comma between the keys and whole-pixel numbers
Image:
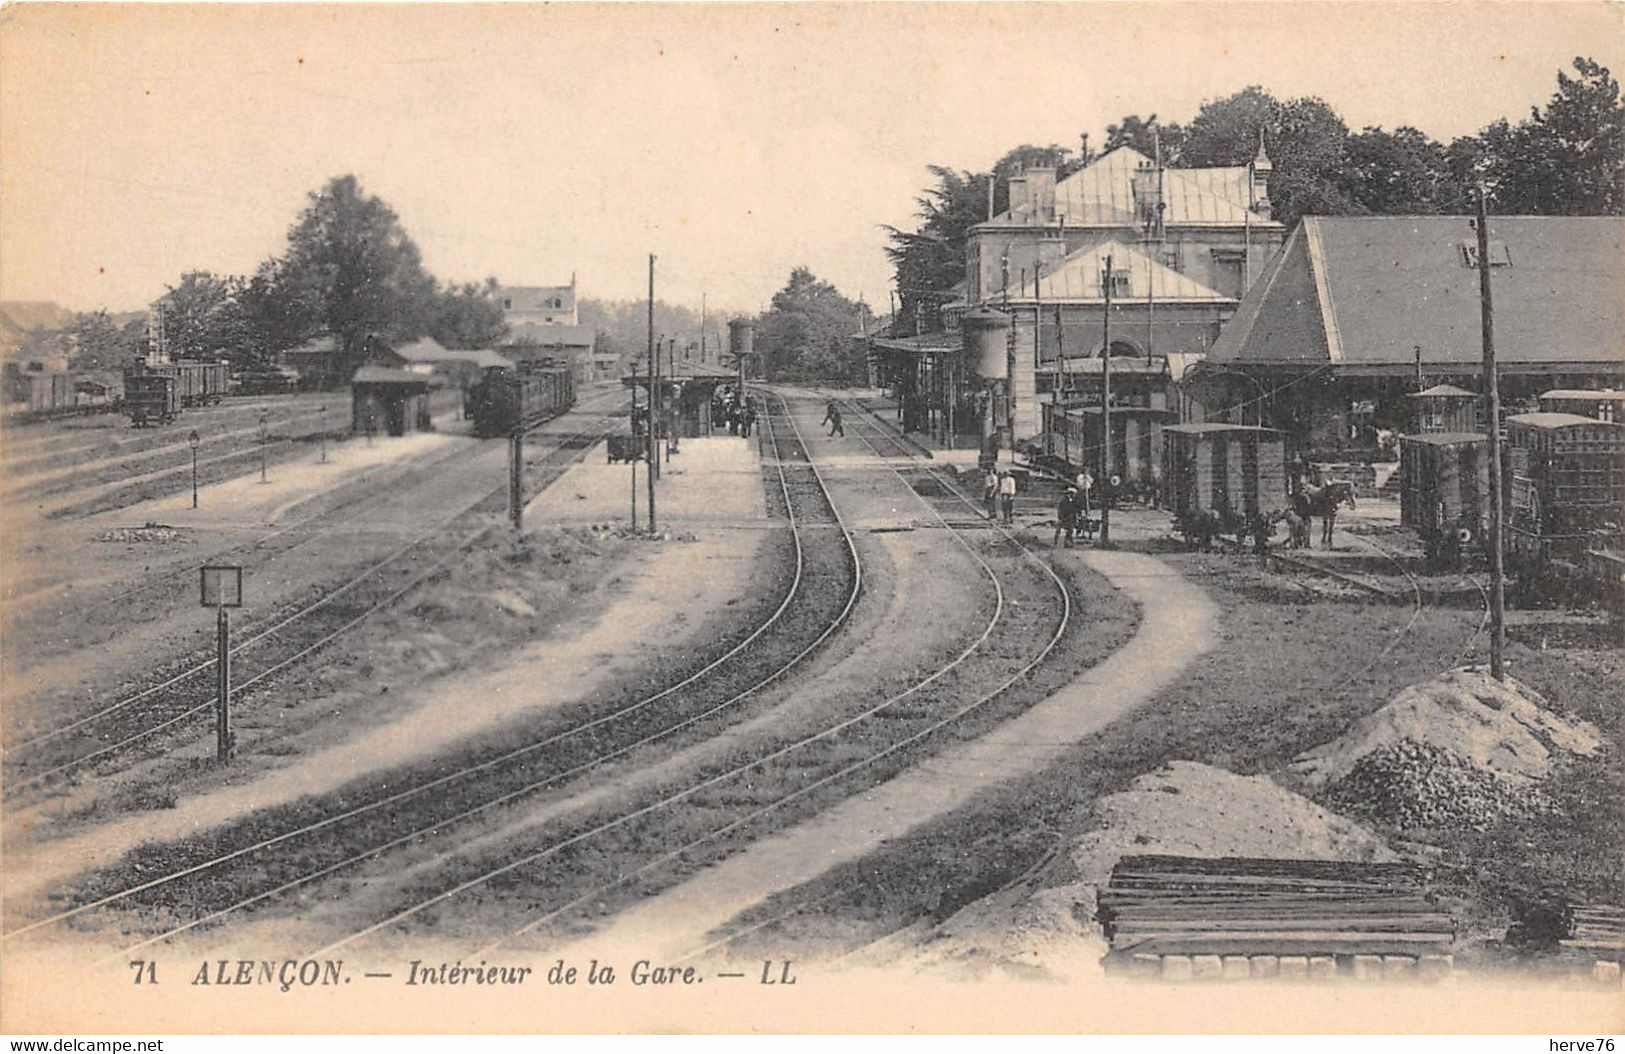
[
  {"x": 1459, "y": 752},
  {"x": 1500, "y": 727},
  {"x": 1417, "y": 785},
  {"x": 152, "y": 532}
]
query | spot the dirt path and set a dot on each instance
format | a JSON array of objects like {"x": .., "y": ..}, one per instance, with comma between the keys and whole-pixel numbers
[
  {"x": 1176, "y": 626},
  {"x": 578, "y": 659}
]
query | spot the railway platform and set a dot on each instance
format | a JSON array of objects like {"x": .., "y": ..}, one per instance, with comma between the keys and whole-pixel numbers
[{"x": 712, "y": 480}]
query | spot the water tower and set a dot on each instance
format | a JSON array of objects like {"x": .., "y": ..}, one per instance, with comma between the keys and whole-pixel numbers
[{"x": 986, "y": 335}]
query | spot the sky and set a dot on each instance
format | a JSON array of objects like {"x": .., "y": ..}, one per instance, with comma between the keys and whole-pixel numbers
[{"x": 734, "y": 141}]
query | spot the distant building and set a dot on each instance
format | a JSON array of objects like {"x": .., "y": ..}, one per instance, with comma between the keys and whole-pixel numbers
[
  {"x": 544, "y": 324},
  {"x": 1184, "y": 245},
  {"x": 1212, "y": 225},
  {"x": 539, "y": 304},
  {"x": 1357, "y": 313}
]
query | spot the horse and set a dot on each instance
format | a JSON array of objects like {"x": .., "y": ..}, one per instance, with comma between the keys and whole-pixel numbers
[{"x": 1323, "y": 502}]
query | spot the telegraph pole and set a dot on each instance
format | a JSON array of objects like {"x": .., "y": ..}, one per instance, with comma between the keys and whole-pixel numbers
[
  {"x": 1038, "y": 338},
  {"x": 632, "y": 459},
  {"x": 649, "y": 473},
  {"x": 516, "y": 472},
  {"x": 1493, "y": 391},
  {"x": 1106, "y": 410},
  {"x": 654, "y": 401}
]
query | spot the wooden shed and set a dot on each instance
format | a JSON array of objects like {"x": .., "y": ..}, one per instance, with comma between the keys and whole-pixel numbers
[
  {"x": 1444, "y": 408},
  {"x": 393, "y": 401}
]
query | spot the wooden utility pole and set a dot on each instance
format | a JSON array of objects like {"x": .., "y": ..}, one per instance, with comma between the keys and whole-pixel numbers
[
  {"x": 652, "y": 469},
  {"x": 1061, "y": 382},
  {"x": 1493, "y": 392},
  {"x": 516, "y": 474},
  {"x": 222, "y": 674},
  {"x": 632, "y": 449},
  {"x": 649, "y": 472},
  {"x": 1106, "y": 409},
  {"x": 1007, "y": 434},
  {"x": 1038, "y": 336}
]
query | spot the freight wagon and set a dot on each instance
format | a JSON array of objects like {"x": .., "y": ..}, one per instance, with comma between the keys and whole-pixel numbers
[
  {"x": 189, "y": 384},
  {"x": 1445, "y": 491},
  {"x": 1565, "y": 498},
  {"x": 504, "y": 402},
  {"x": 1074, "y": 439},
  {"x": 1223, "y": 479},
  {"x": 1602, "y": 405}
]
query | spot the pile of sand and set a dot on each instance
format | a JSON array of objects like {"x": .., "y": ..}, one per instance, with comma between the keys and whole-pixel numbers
[
  {"x": 1184, "y": 808},
  {"x": 1459, "y": 751},
  {"x": 1196, "y": 810}
]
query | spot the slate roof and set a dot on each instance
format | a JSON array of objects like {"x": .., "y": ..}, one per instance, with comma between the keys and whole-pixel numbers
[
  {"x": 1366, "y": 290},
  {"x": 1077, "y": 279},
  {"x": 537, "y": 298},
  {"x": 1102, "y": 194},
  {"x": 389, "y": 375},
  {"x": 1548, "y": 419},
  {"x": 1443, "y": 389}
]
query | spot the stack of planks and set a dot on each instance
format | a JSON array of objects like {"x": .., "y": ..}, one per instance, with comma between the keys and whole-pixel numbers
[
  {"x": 1599, "y": 937},
  {"x": 1189, "y": 917}
]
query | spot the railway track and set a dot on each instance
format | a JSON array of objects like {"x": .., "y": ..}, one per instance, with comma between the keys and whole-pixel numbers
[
  {"x": 780, "y": 782},
  {"x": 241, "y": 867},
  {"x": 267, "y": 648}
]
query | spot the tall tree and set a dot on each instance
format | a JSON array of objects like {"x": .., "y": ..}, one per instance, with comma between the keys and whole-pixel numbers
[
  {"x": 806, "y": 333},
  {"x": 349, "y": 253},
  {"x": 1568, "y": 159},
  {"x": 1224, "y": 131},
  {"x": 1399, "y": 172},
  {"x": 202, "y": 319},
  {"x": 277, "y": 312},
  {"x": 1148, "y": 136},
  {"x": 99, "y": 343},
  {"x": 931, "y": 259},
  {"x": 468, "y": 316}
]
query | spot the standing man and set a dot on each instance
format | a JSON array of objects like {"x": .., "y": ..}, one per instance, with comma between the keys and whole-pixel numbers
[
  {"x": 1066, "y": 517},
  {"x": 990, "y": 493},
  {"x": 832, "y": 417},
  {"x": 1007, "y": 496},
  {"x": 747, "y": 420}
]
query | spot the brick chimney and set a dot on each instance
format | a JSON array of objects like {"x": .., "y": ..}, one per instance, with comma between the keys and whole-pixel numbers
[
  {"x": 1020, "y": 199},
  {"x": 1041, "y": 194}
]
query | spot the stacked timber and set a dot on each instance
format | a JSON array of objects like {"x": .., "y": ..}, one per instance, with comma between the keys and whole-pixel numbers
[
  {"x": 1599, "y": 938},
  {"x": 1183, "y": 917}
]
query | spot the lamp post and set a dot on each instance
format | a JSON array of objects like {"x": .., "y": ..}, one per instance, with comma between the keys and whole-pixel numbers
[
  {"x": 321, "y": 429},
  {"x": 193, "y": 440},
  {"x": 265, "y": 436}
]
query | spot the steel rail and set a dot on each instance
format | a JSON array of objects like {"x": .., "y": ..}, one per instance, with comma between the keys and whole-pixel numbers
[
  {"x": 862, "y": 763},
  {"x": 775, "y": 617},
  {"x": 290, "y": 619}
]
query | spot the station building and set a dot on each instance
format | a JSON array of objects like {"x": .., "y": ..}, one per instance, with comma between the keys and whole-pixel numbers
[
  {"x": 1183, "y": 244},
  {"x": 1359, "y": 313}
]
